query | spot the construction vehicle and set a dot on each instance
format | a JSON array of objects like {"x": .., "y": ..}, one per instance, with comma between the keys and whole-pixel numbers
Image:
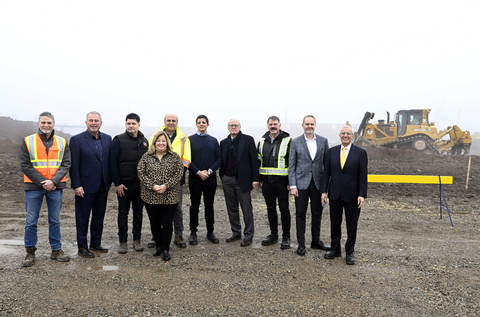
[{"x": 412, "y": 129}]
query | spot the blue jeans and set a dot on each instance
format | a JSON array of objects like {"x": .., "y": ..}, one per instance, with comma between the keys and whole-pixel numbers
[{"x": 33, "y": 203}]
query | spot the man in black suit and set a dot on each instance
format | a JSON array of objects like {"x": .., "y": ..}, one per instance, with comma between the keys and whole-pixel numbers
[
  {"x": 345, "y": 181},
  {"x": 240, "y": 174},
  {"x": 90, "y": 182}
]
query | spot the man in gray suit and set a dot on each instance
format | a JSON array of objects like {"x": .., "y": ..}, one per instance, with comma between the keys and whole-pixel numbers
[{"x": 307, "y": 158}]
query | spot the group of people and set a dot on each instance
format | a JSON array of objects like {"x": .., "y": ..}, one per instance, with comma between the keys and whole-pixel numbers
[{"x": 151, "y": 173}]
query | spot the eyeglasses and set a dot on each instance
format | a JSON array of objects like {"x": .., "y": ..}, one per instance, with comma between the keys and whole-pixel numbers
[
  {"x": 345, "y": 133},
  {"x": 233, "y": 125}
]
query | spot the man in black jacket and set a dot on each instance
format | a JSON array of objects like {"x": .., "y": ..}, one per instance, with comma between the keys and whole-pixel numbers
[
  {"x": 239, "y": 173},
  {"x": 125, "y": 152},
  {"x": 273, "y": 153}
]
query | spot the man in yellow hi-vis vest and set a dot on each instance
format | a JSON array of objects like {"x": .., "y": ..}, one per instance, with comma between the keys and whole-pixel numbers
[
  {"x": 181, "y": 146},
  {"x": 273, "y": 153},
  {"x": 45, "y": 161}
]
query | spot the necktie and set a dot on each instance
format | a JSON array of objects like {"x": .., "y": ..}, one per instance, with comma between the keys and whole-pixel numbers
[{"x": 343, "y": 157}]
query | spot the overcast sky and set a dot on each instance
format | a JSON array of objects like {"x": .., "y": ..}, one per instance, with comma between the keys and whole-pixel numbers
[{"x": 245, "y": 59}]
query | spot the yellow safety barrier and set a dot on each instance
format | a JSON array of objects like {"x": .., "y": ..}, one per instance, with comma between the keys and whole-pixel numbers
[{"x": 410, "y": 179}]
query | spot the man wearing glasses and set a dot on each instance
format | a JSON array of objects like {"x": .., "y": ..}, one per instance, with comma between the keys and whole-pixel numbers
[
  {"x": 345, "y": 181},
  {"x": 239, "y": 173}
]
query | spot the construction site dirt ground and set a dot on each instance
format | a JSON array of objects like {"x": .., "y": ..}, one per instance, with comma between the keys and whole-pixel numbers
[{"x": 409, "y": 261}]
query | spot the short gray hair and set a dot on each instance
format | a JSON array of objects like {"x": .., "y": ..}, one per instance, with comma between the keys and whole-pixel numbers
[
  {"x": 46, "y": 114},
  {"x": 94, "y": 112}
]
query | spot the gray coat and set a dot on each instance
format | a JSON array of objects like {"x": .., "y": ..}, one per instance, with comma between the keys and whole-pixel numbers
[{"x": 302, "y": 167}]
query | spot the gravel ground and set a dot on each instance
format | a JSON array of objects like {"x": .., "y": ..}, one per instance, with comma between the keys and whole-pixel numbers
[{"x": 409, "y": 261}]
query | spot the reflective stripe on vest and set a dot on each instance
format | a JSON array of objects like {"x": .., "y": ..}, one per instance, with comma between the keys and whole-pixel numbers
[
  {"x": 47, "y": 165},
  {"x": 281, "y": 169}
]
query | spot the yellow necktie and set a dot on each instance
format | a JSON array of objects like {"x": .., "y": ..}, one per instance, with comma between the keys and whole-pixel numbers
[{"x": 343, "y": 157}]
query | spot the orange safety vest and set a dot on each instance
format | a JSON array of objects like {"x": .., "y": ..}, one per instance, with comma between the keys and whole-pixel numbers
[{"x": 47, "y": 165}]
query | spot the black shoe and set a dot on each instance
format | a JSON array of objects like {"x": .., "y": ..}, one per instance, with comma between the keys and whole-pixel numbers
[
  {"x": 166, "y": 255},
  {"x": 85, "y": 253},
  {"x": 271, "y": 239},
  {"x": 193, "y": 238},
  {"x": 318, "y": 245},
  {"x": 212, "y": 238},
  {"x": 301, "y": 249},
  {"x": 332, "y": 254},
  {"x": 158, "y": 252},
  {"x": 285, "y": 243},
  {"x": 151, "y": 244},
  {"x": 350, "y": 259},
  {"x": 180, "y": 242},
  {"x": 98, "y": 248},
  {"x": 233, "y": 238}
]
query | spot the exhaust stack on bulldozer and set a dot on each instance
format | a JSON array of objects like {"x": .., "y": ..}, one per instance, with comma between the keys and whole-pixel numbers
[{"x": 412, "y": 129}]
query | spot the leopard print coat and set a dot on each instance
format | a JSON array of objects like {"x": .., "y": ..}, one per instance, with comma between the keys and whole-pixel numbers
[{"x": 168, "y": 171}]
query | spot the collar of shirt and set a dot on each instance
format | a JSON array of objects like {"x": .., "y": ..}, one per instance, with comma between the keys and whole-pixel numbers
[
  {"x": 348, "y": 147},
  {"x": 314, "y": 138},
  {"x": 99, "y": 135},
  {"x": 198, "y": 133}
]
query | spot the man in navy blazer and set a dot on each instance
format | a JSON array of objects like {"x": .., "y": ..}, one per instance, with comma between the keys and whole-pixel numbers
[
  {"x": 90, "y": 182},
  {"x": 239, "y": 172},
  {"x": 347, "y": 189},
  {"x": 305, "y": 171}
]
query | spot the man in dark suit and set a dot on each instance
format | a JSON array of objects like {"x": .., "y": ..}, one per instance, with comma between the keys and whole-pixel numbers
[
  {"x": 345, "y": 181},
  {"x": 305, "y": 170},
  {"x": 90, "y": 182},
  {"x": 239, "y": 172}
]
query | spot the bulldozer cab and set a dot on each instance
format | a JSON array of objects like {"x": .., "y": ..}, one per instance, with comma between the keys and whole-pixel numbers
[{"x": 403, "y": 118}]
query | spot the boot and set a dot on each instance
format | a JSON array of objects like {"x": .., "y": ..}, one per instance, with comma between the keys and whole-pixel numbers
[
  {"x": 59, "y": 255},
  {"x": 30, "y": 258},
  {"x": 123, "y": 248},
  {"x": 137, "y": 245}
]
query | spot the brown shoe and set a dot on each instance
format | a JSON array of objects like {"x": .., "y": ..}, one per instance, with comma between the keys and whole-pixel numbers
[
  {"x": 233, "y": 238},
  {"x": 245, "y": 243},
  {"x": 59, "y": 255},
  {"x": 180, "y": 242},
  {"x": 123, "y": 248},
  {"x": 30, "y": 258},
  {"x": 137, "y": 245}
]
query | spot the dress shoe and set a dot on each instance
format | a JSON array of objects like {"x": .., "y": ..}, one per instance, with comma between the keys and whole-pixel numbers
[
  {"x": 166, "y": 255},
  {"x": 350, "y": 259},
  {"x": 332, "y": 254},
  {"x": 233, "y": 238},
  {"x": 245, "y": 243},
  {"x": 318, "y": 245},
  {"x": 158, "y": 252},
  {"x": 151, "y": 244},
  {"x": 212, "y": 238},
  {"x": 271, "y": 239},
  {"x": 85, "y": 253},
  {"x": 98, "y": 248},
  {"x": 193, "y": 238},
  {"x": 285, "y": 243},
  {"x": 180, "y": 242},
  {"x": 301, "y": 249}
]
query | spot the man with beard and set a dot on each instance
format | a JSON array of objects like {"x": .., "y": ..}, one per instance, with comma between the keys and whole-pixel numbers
[
  {"x": 45, "y": 161},
  {"x": 307, "y": 157},
  {"x": 90, "y": 182},
  {"x": 126, "y": 150},
  {"x": 273, "y": 153}
]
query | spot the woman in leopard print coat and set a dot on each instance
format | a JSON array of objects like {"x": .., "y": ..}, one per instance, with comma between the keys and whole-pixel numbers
[{"x": 160, "y": 171}]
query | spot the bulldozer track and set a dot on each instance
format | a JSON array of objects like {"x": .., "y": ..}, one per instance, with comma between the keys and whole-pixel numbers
[{"x": 412, "y": 139}]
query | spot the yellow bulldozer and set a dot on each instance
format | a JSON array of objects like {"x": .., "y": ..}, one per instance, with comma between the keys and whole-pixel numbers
[{"x": 412, "y": 129}]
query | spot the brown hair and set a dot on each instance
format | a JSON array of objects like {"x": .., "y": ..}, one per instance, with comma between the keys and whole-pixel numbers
[{"x": 152, "y": 148}]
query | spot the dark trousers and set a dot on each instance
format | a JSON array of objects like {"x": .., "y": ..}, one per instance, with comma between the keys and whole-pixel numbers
[
  {"x": 301, "y": 205},
  {"x": 131, "y": 196},
  {"x": 233, "y": 196},
  {"x": 94, "y": 203},
  {"x": 161, "y": 223},
  {"x": 208, "y": 187},
  {"x": 352, "y": 213},
  {"x": 272, "y": 190}
]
